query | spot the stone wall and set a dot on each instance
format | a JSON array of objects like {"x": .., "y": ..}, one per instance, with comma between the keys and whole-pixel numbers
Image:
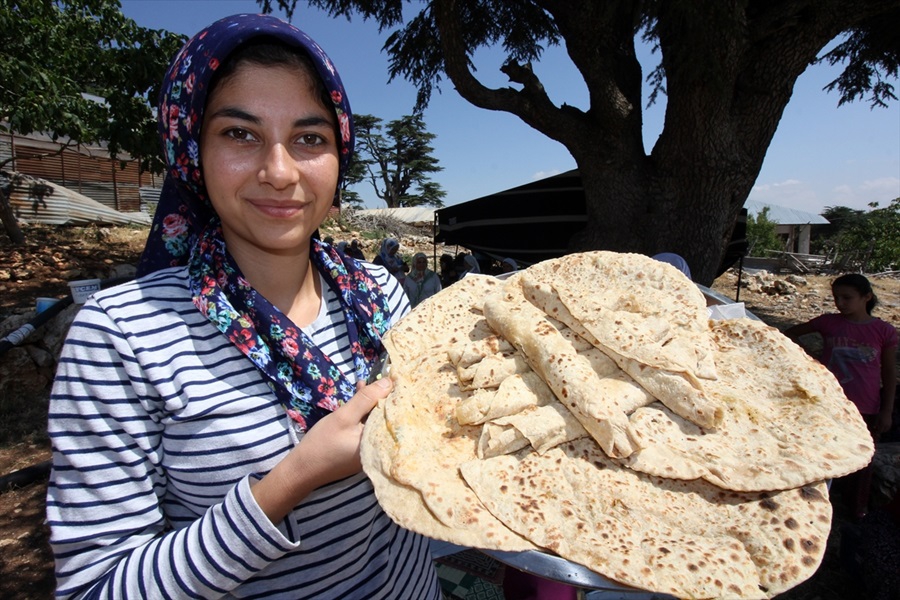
[{"x": 26, "y": 370}]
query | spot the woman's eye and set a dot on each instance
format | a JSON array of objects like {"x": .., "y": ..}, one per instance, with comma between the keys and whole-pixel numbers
[
  {"x": 239, "y": 134},
  {"x": 311, "y": 139}
]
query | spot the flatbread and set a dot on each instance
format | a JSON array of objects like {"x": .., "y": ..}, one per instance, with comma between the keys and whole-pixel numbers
[
  {"x": 429, "y": 447},
  {"x": 658, "y": 517},
  {"x": 567, "y": 373},
  {"x": 786, "y": 419},
  {"x": 516, "y": 394},
  {"x": 375, "y": 454},
  {"x": 466, "y": 355},
  {"x": 643, "y": 309},
  {"x": 539, "y": 427},
  {"x": 491, "y": 371},
  {"x": 666, "y": 353},
  {"x": 444, "y": 320},
  {"x": 688, "y": 539}
]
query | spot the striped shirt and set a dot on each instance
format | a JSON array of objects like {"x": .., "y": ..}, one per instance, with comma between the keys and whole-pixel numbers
[{"x": 158, "y": 423}]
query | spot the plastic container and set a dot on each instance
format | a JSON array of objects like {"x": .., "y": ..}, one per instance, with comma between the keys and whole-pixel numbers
[
  {"x": 83, "y": 289},
  {"x": 42, "y": 304}
]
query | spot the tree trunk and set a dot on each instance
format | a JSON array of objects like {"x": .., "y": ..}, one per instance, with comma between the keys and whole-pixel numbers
[
  {"x": 692, "y": 214},
  {"x": 10, "y": 223}
]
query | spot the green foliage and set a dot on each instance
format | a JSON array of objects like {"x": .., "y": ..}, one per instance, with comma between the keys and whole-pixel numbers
[
  {"x": 875, "y": 237},
  {"x": 872, "y": 56},
  {"x": 397, "y": 160},
  {"x": 355, "y": 174},
  {"x": 761, "y": 234},
  {"x": 80, "y": 69}
]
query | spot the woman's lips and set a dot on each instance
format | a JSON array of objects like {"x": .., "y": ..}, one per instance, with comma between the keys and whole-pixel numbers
[{"x": 276, "y": 209}]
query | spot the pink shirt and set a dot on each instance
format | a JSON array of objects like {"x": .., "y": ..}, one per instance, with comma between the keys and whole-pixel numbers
[{"x": 852, "y": 351}]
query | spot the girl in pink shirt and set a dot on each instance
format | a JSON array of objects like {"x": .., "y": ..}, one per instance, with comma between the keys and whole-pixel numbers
[{"x": 861, "y": 351}]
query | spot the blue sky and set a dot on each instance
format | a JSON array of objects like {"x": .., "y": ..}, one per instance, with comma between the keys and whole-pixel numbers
[{"x": 821, "y": 155}]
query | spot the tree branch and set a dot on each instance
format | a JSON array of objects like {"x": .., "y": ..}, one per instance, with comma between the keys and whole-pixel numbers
[{"x": 531, "y": 104}]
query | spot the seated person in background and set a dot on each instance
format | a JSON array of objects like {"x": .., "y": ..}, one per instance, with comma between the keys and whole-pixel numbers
[
  {"x": 449, "y": 274},
  {"x": 508, "y": 265},
  {"x": 387, "y": 257},
  {"x": 469, "y": 265},
  {"x": 421, "y": 282},
  {"x": 355, "y": 250},
  {"x": 675, "y": 260}
]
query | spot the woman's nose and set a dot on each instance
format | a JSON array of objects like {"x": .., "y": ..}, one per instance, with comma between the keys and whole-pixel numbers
[{"x": 279, "y": 168}]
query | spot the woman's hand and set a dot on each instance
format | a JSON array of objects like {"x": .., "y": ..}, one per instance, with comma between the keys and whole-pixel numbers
[{"x": 329, "y": 451}]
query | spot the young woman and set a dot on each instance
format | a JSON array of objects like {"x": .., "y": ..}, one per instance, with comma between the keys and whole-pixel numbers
[
  {"x": 861, "y": 351},
  {"x": 206, "y": 418}
]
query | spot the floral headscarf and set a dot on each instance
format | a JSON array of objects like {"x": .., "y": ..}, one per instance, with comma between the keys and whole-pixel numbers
[{"x": 186, "y": 231}]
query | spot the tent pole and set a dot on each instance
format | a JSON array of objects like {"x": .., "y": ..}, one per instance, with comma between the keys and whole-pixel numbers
[
  {"x": 434, "y": 231},
  {"x": 737, "y": 294}
]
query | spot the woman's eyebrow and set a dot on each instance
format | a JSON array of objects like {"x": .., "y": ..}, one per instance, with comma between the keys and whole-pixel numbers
[
  {"x": 230, "y": 112},
  {"x": 237, "y": 113},
  {"x": 313, "y": 121}
]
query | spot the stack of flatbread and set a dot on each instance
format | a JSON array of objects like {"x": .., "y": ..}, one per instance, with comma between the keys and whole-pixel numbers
[{"x": 587, "y": 407}]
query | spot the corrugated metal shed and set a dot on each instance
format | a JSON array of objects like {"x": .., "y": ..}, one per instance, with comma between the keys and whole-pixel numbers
[
  {"x": 413, "y": 214},
  {"x": 783, "y": 215},
  {"x": 67, "y": 207},
  {"x": 85, "y": 169}
]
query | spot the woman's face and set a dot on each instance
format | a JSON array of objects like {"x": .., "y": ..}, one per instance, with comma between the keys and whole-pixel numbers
[
  {"x": 421, "y": 263},
  {"x": 269, "y": 155}
]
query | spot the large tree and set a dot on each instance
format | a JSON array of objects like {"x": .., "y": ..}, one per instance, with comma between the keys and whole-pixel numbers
[
  {"x": 728, "y": 68},
  {"x": 84, "y": 73},
  {"x": 398, "y": 160}
]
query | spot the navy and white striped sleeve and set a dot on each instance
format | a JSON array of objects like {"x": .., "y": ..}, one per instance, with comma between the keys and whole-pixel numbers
[
  {"x": 109, "y": 533},
  {"x": 392, "y": 288}
]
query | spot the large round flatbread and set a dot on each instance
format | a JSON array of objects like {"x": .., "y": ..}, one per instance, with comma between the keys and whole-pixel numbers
[
  {"x": 786, "y": 419},
  {"x": 688, "y": 539},
  {"x": 782, "y": 424},
  {"x": 415, "y": 442},
  {"x": 429, "y": 446}
]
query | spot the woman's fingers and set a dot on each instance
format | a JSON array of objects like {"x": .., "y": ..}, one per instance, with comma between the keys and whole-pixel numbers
[{"x": 367, "y": 397}]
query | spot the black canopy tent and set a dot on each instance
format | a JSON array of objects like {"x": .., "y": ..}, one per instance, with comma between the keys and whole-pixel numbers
[
  {"x": 535, "y": 221},
  {"x": 528, "y": 223}
]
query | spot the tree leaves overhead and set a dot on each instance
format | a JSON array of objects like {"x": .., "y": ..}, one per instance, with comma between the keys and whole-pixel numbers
[
  {"x": 872, "y": 54},
  {"x": 522, "y": 28},
  {"x": 82, "y": 70}
]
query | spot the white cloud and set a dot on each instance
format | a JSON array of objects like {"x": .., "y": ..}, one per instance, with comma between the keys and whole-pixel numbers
[
  {"x": 882, "y": 185},
  {"x": 790, "y": 193},
  {"x": 881, "y": 190},
  {"x": 788, "y": 182},
  {"x": 545, "y": 174},
  {"x": 815, "y": 196}
]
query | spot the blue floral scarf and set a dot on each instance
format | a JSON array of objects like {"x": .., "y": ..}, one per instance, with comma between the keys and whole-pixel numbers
[{"x": 186, "y": 231}]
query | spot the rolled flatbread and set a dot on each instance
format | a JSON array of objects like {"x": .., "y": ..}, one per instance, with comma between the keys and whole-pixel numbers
[{"x": 568, "y": 374}]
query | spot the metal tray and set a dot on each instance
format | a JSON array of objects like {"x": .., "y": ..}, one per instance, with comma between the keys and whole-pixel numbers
[{"x": 555, "y": 568}]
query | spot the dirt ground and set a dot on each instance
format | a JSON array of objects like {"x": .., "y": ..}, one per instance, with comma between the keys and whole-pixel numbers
[{"x": 54, "y": 255}]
